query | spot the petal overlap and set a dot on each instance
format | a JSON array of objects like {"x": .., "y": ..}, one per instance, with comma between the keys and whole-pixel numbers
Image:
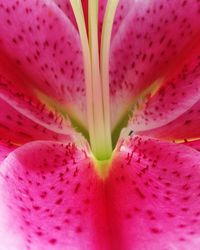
[
  {"x": 59, "y": 201},
  {"x": 51, "y": 194},
  {"x": 5, "y": 148},
  {"x": 65, "y": 6}
]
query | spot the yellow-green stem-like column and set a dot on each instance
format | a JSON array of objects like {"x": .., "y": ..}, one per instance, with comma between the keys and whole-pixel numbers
[{"x": 97, "y": 74}]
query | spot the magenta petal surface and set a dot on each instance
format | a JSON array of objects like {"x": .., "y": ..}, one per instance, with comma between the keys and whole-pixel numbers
[
  {"x": 65, "y": 6},
  {"x": 154, "y": 38},
  {"x": 45, "y": 46},
  {"x": 121, "y": 12},
  {"x": 55, "y": 198},
  {"x": 5, "y": 148},
  {"x": 185, "y": 126},
  {"x": 178, "y": 96},
  {"x": 23, "y": 100},
  {"x": 153, "y": 196},
  {"x": 19, "y": 129},
  {"x": 194, "y": 144}
]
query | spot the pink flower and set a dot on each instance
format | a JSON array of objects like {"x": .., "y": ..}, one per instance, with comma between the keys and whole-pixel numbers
[{"x": 100, "y": 130}]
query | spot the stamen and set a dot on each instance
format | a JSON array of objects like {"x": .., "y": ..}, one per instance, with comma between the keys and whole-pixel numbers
[
  {"x": 104, "y": 60},
  {"x": 103, "y": 139},
  {"x": 180, "y": 141},
  {"x": 78, "y": 12},
  {"x": 96, "y": 80}
]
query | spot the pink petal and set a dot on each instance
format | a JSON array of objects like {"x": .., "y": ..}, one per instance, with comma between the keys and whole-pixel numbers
[
  {"x": 55, "y": 198},
  {"x": 121, "y": 12},
  {"x": 5, "y": 148},
  {"x": 44, "y": 45},
  {"x": 65, "y": 6},
  {"x": 19, "y": 129},
  {"x": 185, "y": 126},
  {"x": 151, "y": 43},
  {"x": 23, "y": 99},
  {"x": 154, "y": 196},
  {"x": 174, "y": 98},
  {"x": 194, "y": 144}
]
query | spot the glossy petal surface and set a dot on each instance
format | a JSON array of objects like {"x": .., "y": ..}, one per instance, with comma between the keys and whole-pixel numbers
[
  {"x": 176, "y": 97},
  {"x": 19, "y": 129},
  {"x": 153, "y": 196},
  {"x": 185, "y": 126},
  {"x": 15, "y": 92},
  {"x": 65, "y": 6},
  {"x": 5, "y": 148},
  {"x": 46, "y": 48},
  {"x": 51, "y": 190},
  {"x": 121, "y": 12},
  {"x": 155, "y": 38},
  {"x": 194, "y": 144},
  {"x": 55, "y": 198}
]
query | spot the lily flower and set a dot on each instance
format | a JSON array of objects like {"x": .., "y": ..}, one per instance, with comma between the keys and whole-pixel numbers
[{"x": 99, "y": 124}]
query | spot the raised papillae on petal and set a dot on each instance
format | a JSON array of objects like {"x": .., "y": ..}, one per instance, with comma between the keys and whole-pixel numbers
[
  {"x": 27, "y": 103},
  {"x": 66, "y": 64},
  {"x": 185, "y": 127},
  {"x": 46, "y": 48},
  {"x": 19, "y": 129},
  {"x": 150, "y": 200},
  {"x": 153, "y": 196},
  {"x": 107, "y": 69},
  {"x": 154, "y": 39},
  {"x": 176, "y": 97},
  {"x": 55, "y": 198},
  {"x": 65, "y": 6}
]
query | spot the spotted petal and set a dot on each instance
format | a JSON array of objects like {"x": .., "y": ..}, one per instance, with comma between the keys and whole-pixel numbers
[
  {"x": 153, "y": 196},
  {"x": 175, "y": 98},
  {"x": 43, "y": 46},
  {"x": 65, "y": 6},
  {"x": 154, "y": 41},
  {"x": 121, "y": 12},
  {"x": 23, "y": 99},
  {"x": 55, "y": 198},
  {"x": 18, "y": 129},
  {"x": 184, "y": 127}
]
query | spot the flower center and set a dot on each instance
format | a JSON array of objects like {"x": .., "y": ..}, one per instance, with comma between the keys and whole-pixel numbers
[{"x": 96, "y": 70}]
